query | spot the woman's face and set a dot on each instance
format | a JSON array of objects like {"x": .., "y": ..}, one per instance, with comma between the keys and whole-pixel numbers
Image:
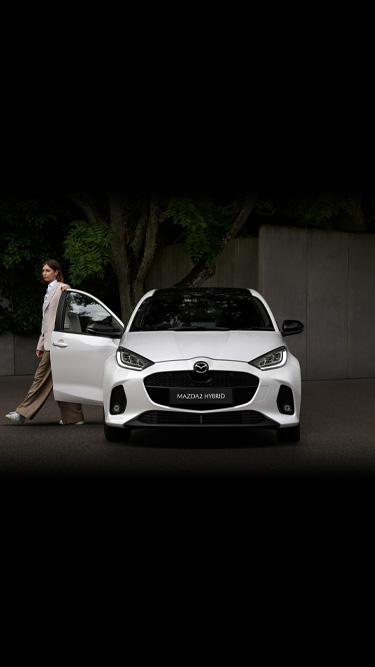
[{"x": 48, "y": 273}]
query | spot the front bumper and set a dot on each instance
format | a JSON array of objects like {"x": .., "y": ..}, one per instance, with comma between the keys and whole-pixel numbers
[{"x": 261, "y": 411}]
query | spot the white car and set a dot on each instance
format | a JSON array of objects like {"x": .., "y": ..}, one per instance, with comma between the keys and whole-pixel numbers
[{"x": 194, "y": 358}]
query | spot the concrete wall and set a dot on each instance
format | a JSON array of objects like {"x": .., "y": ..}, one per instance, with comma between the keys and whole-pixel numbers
[
  {"x": 283, "y": 279},
  {"x": 361, "y": 306},
  {"x": 325, "y": 279},
  {"x": 17, "y": 354}
]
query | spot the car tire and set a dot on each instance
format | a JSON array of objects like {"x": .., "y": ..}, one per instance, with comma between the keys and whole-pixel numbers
[
  {"x": 113, "y": 434},
  {"x": 289, "y": 434}
]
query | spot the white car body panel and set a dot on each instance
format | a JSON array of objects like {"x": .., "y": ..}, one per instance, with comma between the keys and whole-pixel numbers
[
  {"x": 77, "y": 369},
  {"x": 176, "y": 345},
  {"x": 85, "y": 367},
  {"x": 78, "y": 362}
]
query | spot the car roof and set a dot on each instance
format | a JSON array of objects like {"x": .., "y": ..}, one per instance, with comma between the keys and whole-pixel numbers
[{"x": 166, "y": 293}]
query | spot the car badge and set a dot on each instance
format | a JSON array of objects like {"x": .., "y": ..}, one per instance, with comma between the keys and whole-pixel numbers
[{"x": 201, "y": 367}]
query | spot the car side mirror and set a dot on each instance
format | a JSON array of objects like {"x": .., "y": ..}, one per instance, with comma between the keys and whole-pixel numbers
[
  {"x": 103, "y": 329},
  {"x": 291, "y": 327}
]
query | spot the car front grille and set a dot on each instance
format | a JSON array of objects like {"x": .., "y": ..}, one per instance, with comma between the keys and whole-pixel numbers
[
  {"x": 200, "y": 380},
  {"x": 244, "y": 386}
]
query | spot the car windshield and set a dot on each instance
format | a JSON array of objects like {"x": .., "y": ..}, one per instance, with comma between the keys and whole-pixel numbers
[{"x": 201, "y": 309}]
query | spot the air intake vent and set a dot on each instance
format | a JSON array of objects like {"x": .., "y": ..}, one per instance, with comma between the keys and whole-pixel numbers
[{"x": 118, "y": 400}]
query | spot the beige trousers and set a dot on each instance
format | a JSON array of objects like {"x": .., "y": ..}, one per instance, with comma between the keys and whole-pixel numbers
[{"x": 39, "y": 392}]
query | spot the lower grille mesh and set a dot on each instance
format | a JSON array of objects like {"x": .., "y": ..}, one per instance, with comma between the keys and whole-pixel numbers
[{"x": 245, "y": 417}]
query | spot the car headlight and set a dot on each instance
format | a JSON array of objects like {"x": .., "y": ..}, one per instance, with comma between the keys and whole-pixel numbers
[
  {"x": 132, "y": 360},
  {"x": 273, "y": 359}
]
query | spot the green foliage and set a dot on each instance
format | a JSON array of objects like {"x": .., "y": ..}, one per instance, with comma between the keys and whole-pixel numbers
[
  {"x": 203, "y": 222},
  {"x": 87, "y": 247},
  {"x": 31, "y": 231},
  {"x": 265, "y": 206},
  {"x": 23, "y": 238},
  {"x": 23, "y": 314},
  {"x": 327, "y": 210}
]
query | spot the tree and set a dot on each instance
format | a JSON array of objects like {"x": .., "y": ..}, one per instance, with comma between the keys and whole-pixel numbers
[
  {"x": 208, "y": 235},
  {"x": 112, "y": 240},
  {"x": 32, "y": 230},
  {"x": 124, "y": 229},
  {"x": 330, "y": 210}
]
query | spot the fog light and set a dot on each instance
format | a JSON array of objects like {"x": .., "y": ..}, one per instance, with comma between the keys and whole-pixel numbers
[
  {"x": 285, "y": 402},
  {"x": 117, "y": 403}
]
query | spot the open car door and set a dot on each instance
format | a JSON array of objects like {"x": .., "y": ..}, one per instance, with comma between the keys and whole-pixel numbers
[{"x": 86, "y": 334}]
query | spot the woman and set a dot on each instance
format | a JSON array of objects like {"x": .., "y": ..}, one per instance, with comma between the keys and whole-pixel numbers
[{"x": 71, "y": 413}]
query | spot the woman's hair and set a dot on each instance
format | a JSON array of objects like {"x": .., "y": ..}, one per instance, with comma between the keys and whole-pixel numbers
[{"x": 53, "y": 264}]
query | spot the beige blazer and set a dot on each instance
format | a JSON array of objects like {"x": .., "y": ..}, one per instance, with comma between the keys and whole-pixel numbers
[{"x": 49, "y": 316}]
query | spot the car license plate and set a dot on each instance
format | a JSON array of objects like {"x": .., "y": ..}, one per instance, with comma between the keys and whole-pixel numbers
[{"x": 222, "y": 396}]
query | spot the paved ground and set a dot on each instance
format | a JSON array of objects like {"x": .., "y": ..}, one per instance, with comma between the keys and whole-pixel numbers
[{"x": 337, "y": 441}]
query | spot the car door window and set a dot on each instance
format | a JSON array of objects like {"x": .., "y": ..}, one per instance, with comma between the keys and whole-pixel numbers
[{"x": 84, "y": 315}]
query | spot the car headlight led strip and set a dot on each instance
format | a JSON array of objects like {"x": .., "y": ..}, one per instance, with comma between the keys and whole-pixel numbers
[
  {"x": 132, "y": 360},
  {"x": 274, "y": 359}
]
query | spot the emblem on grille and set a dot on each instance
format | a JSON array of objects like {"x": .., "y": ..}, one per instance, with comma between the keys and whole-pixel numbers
[{"x": 201, "y": 367}]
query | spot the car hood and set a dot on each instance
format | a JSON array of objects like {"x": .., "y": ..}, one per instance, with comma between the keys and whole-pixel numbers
[{"x": 160, "y": 346}]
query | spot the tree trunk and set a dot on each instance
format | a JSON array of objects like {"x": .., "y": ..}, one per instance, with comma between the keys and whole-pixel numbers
[
  {"x": 145, "y": 249},
  {"x": 119, "y": 248},
  {"x": 133, "y": 244},
  {"x": 133, "y": 247}
]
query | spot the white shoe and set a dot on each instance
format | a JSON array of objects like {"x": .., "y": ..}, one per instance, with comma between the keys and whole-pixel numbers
[
  {"x": 15, "y": 417},
  {"x": 72, "y": 423}
]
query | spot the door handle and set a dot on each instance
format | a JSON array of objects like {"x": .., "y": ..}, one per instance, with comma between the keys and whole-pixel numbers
[{"x": 59, "y": 344}]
